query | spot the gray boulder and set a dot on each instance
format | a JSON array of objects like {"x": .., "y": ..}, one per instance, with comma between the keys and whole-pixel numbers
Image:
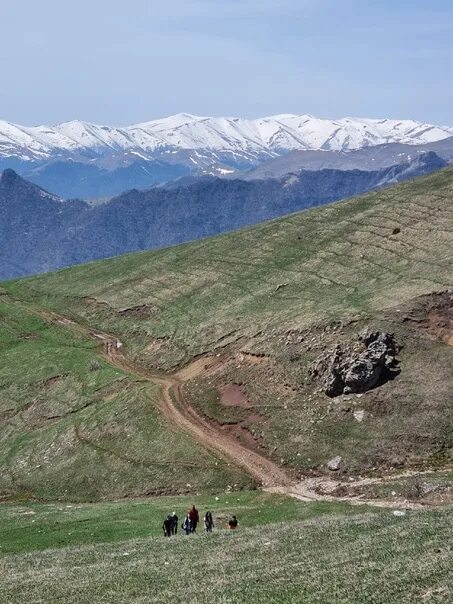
[
  {"x": 361, "y": 366},
  {"x": 362, "y": 374},
  {"x": 335, "y": 464}
]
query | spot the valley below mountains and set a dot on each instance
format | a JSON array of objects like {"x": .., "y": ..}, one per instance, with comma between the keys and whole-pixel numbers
[{"x": 41, "y": 232}]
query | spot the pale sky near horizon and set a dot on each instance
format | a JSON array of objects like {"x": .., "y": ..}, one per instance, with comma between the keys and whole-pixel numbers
[{"x": 118, "y": 63}]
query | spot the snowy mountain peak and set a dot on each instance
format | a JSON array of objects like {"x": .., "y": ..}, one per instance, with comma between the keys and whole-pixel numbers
[{"x": 246, "y": 140}]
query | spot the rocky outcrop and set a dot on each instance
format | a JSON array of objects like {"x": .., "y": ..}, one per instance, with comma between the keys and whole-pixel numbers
[{"x": 363, "y": 365}]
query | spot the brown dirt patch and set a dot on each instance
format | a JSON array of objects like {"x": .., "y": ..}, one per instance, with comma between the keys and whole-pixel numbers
[
  {"x": 233, "y": 395},
  {"x": 435, "y": 316},
  {"x": 246, "y": 438},
  {"x": 441, "y": 325}
]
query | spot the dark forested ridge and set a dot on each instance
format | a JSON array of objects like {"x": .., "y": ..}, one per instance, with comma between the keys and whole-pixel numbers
[{"x": 41, "y": 232}]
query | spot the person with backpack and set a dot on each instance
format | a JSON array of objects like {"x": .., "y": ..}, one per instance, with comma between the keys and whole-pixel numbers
[
  {"x": 187, "y": 525},
  {"x": 208, "y": 522},
  {"x": 194, "y": 518},
  {"x": 167, "y": 525},
  {"x": 174, "y": 524}
]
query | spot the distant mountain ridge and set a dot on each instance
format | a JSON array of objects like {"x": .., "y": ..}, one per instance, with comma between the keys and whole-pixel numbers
[
  {"x": 248, "y": 140},
  {"x": 373, "y": 158},
  {"x": 40, "y": 232},
  {"x": 81, "y": 160}
]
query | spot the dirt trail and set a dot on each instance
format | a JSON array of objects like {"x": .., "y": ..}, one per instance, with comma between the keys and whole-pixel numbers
[
  {"x": 179, "y": 413},
  {"x": 182, "y": 415}
]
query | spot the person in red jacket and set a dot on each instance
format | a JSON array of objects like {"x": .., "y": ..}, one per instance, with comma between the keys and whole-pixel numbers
[{"x": 194, "y": 518}]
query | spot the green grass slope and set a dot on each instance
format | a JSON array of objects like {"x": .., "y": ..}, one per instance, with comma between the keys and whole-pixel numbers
[
  {"x": 73, "y": 427},
  {"x": 31, "y": 526},
  {"x": 310, "y": 557},
  {"x": 270, "y": 299},
  {"x": 330, "y": 262}
]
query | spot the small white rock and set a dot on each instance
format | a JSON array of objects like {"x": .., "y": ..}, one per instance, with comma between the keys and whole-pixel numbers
[
  {"x": 335, "y": 463},
  {"x": 359, "y": 415}
]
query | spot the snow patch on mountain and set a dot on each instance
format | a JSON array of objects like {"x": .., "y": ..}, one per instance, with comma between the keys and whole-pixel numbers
[{"x": 241, "y": 139}]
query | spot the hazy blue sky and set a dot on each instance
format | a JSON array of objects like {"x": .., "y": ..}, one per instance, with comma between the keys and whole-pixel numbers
[{"x": 120, "y": 62}]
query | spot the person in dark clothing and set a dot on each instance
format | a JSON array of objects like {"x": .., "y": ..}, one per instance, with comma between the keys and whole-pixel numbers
[
  {"x": 208, "y": 522},
  {"x": 187, "y": 525},
  {"x": 194, "y": 518},
  {"x": 174, "y": 524},
  {"x": 232, "y": 523},
  {"x": 167, "y": 525}
]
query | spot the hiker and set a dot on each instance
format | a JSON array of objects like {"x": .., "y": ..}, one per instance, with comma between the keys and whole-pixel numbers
[
  {"x": 166, "y": 527},
  {"x": 208, "y": 522},
  {"x": 232, "y": 523},
  {"x": 194, "y": 518},
  {"x": 187, "y": 525},
  {"x": 174, "y": 524}
]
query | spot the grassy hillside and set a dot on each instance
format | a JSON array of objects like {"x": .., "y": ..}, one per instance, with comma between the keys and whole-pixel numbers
[
  {"x": 312, "y": 556},
  {"x": 269, "y": 300},
  {"x": 73, "y": 427},
  {"x": 31, "y": 526},
  {"x": 331, "y": 262}
]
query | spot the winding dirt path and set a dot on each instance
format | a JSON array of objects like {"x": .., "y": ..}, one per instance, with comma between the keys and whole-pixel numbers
[{"x": 182, "y": 415}]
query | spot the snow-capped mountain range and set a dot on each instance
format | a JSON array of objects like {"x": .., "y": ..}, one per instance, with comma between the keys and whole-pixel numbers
[{"x": 209, "y": 139}]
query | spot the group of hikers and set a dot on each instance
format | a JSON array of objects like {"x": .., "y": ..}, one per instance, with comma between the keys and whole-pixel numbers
[{"x": 191, "y": 521}]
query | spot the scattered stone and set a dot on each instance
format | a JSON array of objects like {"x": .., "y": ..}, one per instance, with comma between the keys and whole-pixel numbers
[
  {"x": 335, "y": 463},
  {"x": 359, "y": 367},
  {"x": 399, "y": 513},
  {"x": 359, "y": 415}
]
